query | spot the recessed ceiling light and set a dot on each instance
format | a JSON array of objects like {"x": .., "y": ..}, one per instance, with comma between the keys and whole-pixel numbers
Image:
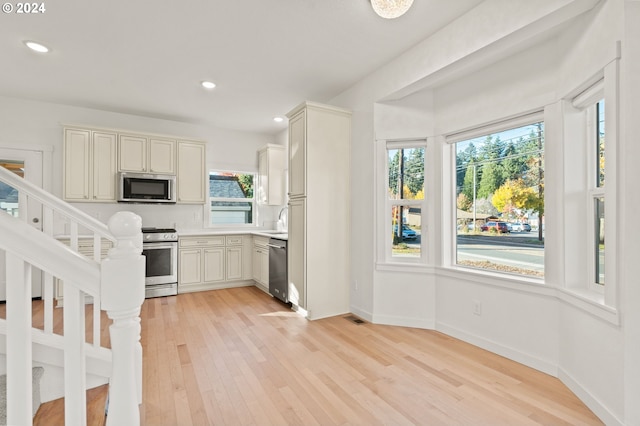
[
  {"x": 208, "y": 84},
  {"x": 278, "y": 119},
  {"x": 36, "y": 47}
]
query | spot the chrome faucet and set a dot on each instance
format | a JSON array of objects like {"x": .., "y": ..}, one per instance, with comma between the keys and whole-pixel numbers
[
  {"x": 282, "y": 210},
  {"x": 282, "y": 224}
]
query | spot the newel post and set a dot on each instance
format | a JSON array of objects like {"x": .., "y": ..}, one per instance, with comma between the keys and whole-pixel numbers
[{"x": 122, "y": 295}]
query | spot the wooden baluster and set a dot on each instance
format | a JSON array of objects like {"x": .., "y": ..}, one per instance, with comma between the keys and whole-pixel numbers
[
  {"x": 19, "y": 358},
  {"x": 122, "y": 294},
  {"x": 97, "y": 255},
  {"x": 75, "y": 397},
  {"x": 47, "y": 278}
]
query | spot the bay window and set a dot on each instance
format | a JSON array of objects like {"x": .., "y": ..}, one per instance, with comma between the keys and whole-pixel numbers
[{"x": 499, "y": 197}]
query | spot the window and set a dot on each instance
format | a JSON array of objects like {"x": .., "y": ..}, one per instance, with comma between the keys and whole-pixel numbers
[
  {"x": 499, "y": 197},
  {"x": 231, "y": 198},
  {"x": 405, "y": 200},
  {"x": 597, "y": 144},
  {"x": 9, "y": 195}
]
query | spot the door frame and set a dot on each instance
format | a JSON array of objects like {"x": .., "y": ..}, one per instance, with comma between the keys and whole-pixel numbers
[{"x": 38, "y": 160}]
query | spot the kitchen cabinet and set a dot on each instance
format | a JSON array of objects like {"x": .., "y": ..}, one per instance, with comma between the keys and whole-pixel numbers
[
  {"x": 271, "y": 169},
  {"x": 214, "y": 264},
  {"x": 260, "y": 259},
  {"x": 319, "y": 209},
  {"x": 297, "y": 154},
  {"x": 146, "y": 154},
  {"x": 210, "y": 262},
  {"x": 191, "y": 179},
  {"x": 89, "y": 165}
]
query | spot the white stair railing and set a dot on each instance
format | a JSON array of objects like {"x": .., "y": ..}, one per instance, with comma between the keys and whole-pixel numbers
[
  {"x": 59, "y": 217},
  {"x": 116, "y": 285}
]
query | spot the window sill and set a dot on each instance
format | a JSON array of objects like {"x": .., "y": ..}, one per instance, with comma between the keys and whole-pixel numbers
[
  {"x": 413, "y": 267},
  {"x": 509, "y": 281},
  {"x": 591, "y": 302}
]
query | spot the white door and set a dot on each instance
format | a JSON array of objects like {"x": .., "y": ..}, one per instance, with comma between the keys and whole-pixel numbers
[{"x": 27, "y": 164}]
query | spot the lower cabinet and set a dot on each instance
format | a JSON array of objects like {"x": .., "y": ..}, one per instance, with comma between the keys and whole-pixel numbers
[
  {"x": 212, "y": 262},
  {"x": 261, "y": 262}
]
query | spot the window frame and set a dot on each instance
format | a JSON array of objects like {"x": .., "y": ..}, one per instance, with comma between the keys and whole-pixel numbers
[
  {"x": 586, "y": 103},
  {"x": 450, "y": 233},
  {"x": 584, "y": 293},
  {"x": 385, "y": 258},
  {"x": 252, "y": 201}
]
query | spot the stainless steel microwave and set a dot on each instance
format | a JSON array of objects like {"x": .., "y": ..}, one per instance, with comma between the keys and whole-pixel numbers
[{"x": 146, "y": 188}]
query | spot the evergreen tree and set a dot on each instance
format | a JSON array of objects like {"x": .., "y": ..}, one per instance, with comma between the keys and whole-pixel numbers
[{"x": 414, "y": 170}]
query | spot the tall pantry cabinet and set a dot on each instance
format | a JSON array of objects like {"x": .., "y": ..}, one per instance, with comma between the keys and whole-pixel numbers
[{"x": 319, "y": 209}]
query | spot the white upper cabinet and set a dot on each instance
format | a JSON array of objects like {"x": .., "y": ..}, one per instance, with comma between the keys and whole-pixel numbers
[
  {"x": 93, "y": 158},
  {"x": 132, "y": 153},
  {"x": 271, "y": 166},
  {"x": 89, "y": 165},
  {"x": 144, "y": 154},
  {"x": 191, "y": 172},
  {"x": 162, "y": 156},
  {"x": 297, "y": 154}
]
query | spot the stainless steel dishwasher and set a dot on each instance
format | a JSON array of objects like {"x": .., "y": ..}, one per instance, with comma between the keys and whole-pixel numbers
[{"x": 278, "y": 282}]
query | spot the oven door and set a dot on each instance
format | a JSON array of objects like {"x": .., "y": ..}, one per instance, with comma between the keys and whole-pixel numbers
[{"x": 162, "y": 263}]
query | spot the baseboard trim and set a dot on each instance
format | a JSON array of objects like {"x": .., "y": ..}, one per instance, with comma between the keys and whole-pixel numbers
[
  {"x": 497, "y": 348},
  {"x": 589, "y": 400}
]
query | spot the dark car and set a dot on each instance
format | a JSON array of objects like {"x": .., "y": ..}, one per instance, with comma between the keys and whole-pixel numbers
[
  {"x": 407, "y": 233},
  {"x": 501, "y": 227}
]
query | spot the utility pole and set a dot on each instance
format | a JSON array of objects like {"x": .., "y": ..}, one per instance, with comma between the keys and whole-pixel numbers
[
  {"x": 400, "y": 192},
  {"x": 540, "y": 177},
  {"x": 474, "y": 195}
]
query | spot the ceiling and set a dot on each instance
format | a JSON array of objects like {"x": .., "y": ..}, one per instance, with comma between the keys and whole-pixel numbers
[{"x": 265, "y": 56}]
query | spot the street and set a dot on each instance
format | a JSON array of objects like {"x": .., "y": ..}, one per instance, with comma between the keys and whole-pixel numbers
[{"x": 516, "y": 250}]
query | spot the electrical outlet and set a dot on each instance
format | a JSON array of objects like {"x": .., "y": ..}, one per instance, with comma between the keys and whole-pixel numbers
[{"x": 477, "y": 307}]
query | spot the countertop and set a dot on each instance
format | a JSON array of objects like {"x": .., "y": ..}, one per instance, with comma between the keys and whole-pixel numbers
[{"x": 268, "y": 233}]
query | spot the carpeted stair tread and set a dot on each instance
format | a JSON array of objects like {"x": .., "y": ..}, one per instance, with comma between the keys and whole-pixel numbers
[{"x": 36, "y": 374}]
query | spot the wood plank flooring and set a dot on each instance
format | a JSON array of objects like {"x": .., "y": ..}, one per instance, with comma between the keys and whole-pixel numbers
[{"x": 240, "y": 357}]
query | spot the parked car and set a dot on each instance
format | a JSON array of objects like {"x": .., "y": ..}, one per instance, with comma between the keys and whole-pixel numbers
[
  {"x": 407, "y": 233},
  {"x": 520, "y": 227},
  {"x": 501, "y": 227}
]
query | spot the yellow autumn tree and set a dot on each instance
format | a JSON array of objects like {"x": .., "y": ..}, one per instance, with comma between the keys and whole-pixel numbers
[{"x": 513, "y": 194}]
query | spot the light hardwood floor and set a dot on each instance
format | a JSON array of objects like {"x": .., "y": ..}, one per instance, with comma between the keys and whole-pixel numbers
[{"x": 239, "y": 357}]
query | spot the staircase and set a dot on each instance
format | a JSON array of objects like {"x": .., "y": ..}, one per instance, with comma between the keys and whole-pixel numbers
[{"x": 114, "y": 284}]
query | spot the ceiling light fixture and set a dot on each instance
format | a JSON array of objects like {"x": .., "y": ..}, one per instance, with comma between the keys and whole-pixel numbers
[
  {"x": 278, "y": 119},
  {"x": 36, "y": 47},
  {"x": 208, "y": 84},
  {"x": 390, "y": 9}
]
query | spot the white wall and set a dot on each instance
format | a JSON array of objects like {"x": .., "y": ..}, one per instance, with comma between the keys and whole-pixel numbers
[
  {"x": 26, "y": 123},
  {"x": 458, "y": 79}
]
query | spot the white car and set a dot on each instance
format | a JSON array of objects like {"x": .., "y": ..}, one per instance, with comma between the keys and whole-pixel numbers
[{"x": 520, "y": 227}]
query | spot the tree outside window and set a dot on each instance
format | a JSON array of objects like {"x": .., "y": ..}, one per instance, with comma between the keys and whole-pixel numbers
[
  {"x": 232, "y": 199},
  {"x": 405, "y": 195},
  {"x": 500, "y": 201}
]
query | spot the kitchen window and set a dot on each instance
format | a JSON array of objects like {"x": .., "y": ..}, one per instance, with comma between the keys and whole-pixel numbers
[
  {"x": 231, "y": 197},
  {"x": 499, "y": 197}
]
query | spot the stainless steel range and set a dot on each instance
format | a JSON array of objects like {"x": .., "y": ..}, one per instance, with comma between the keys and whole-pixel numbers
[{"x": 160, "y": 247}]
